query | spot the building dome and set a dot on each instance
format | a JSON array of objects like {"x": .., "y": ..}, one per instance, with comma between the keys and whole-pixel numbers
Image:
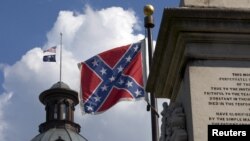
[
  {"x": 60, "y": 102},
  {"x": 60, "y": 85},
  {"x": 59, "y": 134}
]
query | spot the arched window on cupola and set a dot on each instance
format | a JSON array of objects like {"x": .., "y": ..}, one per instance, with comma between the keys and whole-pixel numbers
[
  {"x": 55, "y": 114},
  {"x": 63, "y": 111}
]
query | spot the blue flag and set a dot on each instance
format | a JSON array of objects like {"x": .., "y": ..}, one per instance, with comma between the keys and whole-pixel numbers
[{"x": 49, "y": 58}]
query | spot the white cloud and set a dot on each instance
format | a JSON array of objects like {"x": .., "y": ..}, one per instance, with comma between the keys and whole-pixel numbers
[
  {"x": 4, "y": 99},
  {"x": 84, "y": 35}
]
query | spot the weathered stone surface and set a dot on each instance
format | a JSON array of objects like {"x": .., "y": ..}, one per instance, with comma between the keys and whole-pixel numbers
[
  {"x": 173, "y": 123},
  {"x": 216, "y": 3},
  {"x": 212, "y": 30},
  {"x": 200, "y": 37},
  {"x": 221, "y": 92}
]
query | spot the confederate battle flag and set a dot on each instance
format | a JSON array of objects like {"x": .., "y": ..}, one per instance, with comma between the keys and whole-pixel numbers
[{"x": 110, "y": 77}]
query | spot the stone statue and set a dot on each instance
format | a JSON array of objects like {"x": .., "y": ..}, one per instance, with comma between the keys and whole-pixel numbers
[{"x": 173, "y": 126}]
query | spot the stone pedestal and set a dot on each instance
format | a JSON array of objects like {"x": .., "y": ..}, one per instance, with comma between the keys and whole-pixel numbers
[{"x": 202, "y": 63}]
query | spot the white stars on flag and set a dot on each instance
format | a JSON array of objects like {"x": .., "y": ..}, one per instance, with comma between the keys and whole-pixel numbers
[
  {"x": 120, "y": 69},
  {"x": 90, "y": 108},
  {"x": 97, "y": 98},
  {"x": 128, "y": 59},
  {"x": 112, "y": 78},
  {"x": 104, "y": 88},
  {"x": 103, "y": 71},
  {"x": 136, "y": 48},
  {"x": 121, "y": 81},
  {"x": 129, "y": 84},
  {"x": 95, "y": 63},
  {"x": 137, "y": 93}
]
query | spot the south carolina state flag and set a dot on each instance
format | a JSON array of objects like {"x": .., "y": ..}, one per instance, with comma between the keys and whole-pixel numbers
[{"x": 110, "y": 77}]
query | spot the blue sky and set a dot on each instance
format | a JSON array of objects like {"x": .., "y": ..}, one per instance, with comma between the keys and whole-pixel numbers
[
  {"x": 25, "y": 23},
  {"x": 29, "y": 25}
]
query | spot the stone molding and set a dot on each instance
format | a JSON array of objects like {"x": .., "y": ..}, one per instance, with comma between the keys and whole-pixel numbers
[
  {"x": 216, "y": 3},
  {"x": 181, "y": 27}
]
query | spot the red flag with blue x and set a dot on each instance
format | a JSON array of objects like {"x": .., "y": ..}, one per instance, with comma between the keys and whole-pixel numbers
[{"x": 110, "y": 77}]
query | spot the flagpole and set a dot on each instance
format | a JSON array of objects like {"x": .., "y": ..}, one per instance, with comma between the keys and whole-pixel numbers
[
  {"x": 60, "y": 58},
  {"x": 148, "y": 24}
]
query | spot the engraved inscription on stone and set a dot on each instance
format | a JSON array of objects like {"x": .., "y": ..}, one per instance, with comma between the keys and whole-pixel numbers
[{"x": 219, "y": 95}]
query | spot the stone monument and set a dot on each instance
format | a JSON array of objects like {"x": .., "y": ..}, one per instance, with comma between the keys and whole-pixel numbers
[
  {"x": 202, "y": 64},
  {"x": 216, "y": 3}
]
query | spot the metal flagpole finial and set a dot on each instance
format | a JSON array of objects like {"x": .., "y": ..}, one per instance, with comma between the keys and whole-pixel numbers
[{"x": 148, "y": 12}]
